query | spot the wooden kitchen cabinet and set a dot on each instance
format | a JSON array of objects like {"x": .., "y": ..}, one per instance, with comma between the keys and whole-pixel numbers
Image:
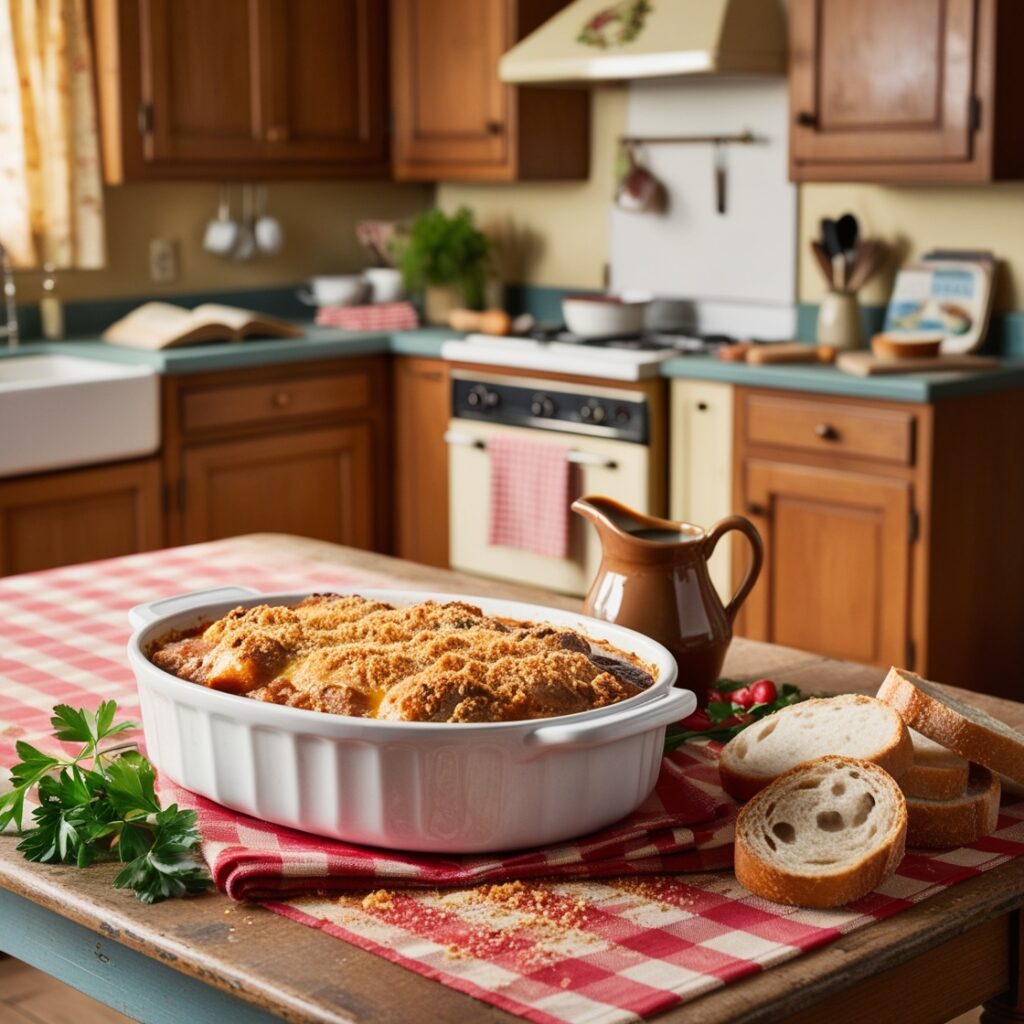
[
  {"x": 453, "y": 117},
  {"x": 242, "y": 88},
  {"x": 79, "y": 515},
  {"x": 890, "y": 530},
  {"x": 920, "y": 90},
  {"x": 303, "y": 449},
  {"x": 422, "y": 408}
]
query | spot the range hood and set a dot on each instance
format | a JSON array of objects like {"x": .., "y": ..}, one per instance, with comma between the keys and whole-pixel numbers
[{"x": 606, "y": 40}]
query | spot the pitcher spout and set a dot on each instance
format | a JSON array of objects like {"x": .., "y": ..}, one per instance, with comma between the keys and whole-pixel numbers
[{"x": 613, "y": 519}]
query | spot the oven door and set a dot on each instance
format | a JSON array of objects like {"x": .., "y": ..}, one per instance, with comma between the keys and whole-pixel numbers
[{"x": 616, "y": 469}]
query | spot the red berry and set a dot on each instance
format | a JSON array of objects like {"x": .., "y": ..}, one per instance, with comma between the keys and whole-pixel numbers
[
  {"x": 764, "y": 691},
  {"x": 715, "y": 697},
  {"x": 744, "y": 698},
  {"x": 697, "y": 722}
]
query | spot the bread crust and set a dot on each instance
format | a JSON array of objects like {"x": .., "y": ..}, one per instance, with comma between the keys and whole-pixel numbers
[
  {"x": 774, "y": 883},
  {"x": 970, "y": 739},
  {"x": 942, "y": 824},
  {"x": 896, "y": 758}
]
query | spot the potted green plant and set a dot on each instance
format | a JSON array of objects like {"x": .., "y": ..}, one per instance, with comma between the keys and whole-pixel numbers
[{"x": 445, "y": 257}]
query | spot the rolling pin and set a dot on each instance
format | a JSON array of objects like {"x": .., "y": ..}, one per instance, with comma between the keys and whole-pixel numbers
[
  {"x": 790, "y": 352},
  {"x": 490, "y": 321}
]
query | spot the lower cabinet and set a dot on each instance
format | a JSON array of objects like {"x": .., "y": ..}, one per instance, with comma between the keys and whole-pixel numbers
[
  {"x": 422, "y": 408},
  {"x": 312, "y": 483},
  {"x": 700, "y": 453},
  {"x": 303, "y": 449},
  {"x": 837, "y": 579},
  {"x": 79, "y": 515}
]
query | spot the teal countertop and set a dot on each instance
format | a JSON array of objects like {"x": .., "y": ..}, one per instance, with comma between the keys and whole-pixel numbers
[{"x": 329, "y": 343}]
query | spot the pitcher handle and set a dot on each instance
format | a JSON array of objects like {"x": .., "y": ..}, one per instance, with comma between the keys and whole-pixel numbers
[{"x": 749, "y": 530}]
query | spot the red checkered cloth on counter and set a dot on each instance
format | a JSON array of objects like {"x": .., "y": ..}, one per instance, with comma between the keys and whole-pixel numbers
[
  {"x": 382, "y": 316},
  {"x": 552, "y": 949},
  {"x": 685, "y": 825},
  {"x": 531, "y": 490}
]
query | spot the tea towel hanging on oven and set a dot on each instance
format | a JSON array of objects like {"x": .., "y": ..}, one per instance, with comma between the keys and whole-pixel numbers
[{"x": 531, "y": 491}]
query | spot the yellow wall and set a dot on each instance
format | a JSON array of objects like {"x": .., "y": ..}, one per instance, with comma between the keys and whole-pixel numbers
[
  {"x": 318, "y": 219},
  {"x": 553, "y": 233},
  {"x": 914, "y": 219}
]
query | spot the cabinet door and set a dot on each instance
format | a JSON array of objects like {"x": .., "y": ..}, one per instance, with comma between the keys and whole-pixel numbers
[
  {"x": 311, "y": 483},
  {"x": 79, "y": 516},
  {"x": 701, "y": 463},
  {"x": 422, "y": 406},
  {"x": 450, "y": 106},
  {"x": 199, "y": 80},
  {"x": 837, "y": 567},
  {"x": 882, "y": 81},
  {"x": 323, "y": 68}
]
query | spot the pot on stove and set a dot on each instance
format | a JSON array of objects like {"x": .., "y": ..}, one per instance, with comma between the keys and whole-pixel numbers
[{"x": 654, "y": 578}]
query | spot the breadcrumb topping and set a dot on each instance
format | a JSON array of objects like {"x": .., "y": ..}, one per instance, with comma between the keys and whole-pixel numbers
[{"x": 428, "y": 662}]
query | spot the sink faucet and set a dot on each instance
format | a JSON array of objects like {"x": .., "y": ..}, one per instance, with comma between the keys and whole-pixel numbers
[{"x": 10, "y": 328}]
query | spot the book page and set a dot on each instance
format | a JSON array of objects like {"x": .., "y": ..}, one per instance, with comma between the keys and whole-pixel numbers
[
  {"x": 152, "y": 325},
  {"x": 229, "y": 316}
]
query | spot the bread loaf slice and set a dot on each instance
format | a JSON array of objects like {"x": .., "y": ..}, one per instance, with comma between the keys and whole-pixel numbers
[
  {"x": 941, "y": 824},
  {"x": 825, "y": 833},
  {"x": 933, "y": 710},
  {"x": 937, "y": 773},
  {"x": 852, "y": 725}
]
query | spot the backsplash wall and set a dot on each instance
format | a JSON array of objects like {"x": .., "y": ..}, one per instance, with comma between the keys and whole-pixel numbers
[{"x": 317, "y": 218}]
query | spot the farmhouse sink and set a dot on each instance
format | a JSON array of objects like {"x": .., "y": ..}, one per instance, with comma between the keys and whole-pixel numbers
[{"x": 58, "y": 411}]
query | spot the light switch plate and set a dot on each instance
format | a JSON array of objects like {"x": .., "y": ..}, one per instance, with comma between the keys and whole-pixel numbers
[{"x": 163, "y": 260}]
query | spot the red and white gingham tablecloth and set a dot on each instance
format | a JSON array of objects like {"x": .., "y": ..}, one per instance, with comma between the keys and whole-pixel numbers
[{"x": 596, "y": 950}]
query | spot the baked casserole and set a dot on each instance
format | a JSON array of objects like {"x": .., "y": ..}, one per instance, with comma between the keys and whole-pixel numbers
[{"x": 426, "y": 662}]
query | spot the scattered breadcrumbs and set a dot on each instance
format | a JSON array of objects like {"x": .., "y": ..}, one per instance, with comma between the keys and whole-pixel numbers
[{"x": 379, "y": 899}]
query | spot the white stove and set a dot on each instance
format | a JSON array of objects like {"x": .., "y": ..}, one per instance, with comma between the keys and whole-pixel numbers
[{"x": 628, "y": 358}]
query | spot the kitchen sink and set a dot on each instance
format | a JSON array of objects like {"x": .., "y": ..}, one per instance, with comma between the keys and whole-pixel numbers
[{"x": 58, "y": 411}]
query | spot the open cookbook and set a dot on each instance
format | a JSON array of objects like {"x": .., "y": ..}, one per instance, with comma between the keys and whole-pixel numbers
[{"x": 159, "y": 325}]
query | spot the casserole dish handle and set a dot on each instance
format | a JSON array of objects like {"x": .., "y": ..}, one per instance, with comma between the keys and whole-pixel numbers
[
  {"x": 143, "y": 614},
  {"x": 671, "y": 707}
]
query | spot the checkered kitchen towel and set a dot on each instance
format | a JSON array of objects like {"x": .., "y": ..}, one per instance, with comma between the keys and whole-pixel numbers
[
  {"x": 589, "y": 951},
  {"x": 532, "y": 485}
]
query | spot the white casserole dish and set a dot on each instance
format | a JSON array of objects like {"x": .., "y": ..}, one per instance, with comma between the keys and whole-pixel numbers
[{"x": 428, "y": 786}]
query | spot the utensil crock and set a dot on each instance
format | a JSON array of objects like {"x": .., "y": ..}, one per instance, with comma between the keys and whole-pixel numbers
[{"x": 654, "y": 578}]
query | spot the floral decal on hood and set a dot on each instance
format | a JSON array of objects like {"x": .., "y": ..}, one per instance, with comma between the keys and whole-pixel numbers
[{"x": 616, "y": 25}]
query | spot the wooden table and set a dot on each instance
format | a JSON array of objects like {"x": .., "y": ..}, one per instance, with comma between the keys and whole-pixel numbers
[{"x": 209, "y": 959}]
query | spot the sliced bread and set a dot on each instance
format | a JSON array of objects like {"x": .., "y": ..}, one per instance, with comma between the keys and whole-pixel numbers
[
  {"x": 937, "y": 773},
  {"x": 931, "y": 709},
  {"x": 851, "y": 725},
  {"x": 942, "y": 824},
  {"x": 825, "y": 833}
]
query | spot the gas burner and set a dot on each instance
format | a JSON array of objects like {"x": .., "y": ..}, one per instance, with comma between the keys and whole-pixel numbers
[{"x": 681, "y": 340}]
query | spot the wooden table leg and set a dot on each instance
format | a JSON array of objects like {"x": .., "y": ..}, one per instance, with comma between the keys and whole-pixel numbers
[{"x": 1009, "y": 1008}]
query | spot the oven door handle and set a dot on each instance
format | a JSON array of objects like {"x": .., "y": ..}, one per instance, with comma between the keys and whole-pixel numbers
[{"x": 576, "y": 457}]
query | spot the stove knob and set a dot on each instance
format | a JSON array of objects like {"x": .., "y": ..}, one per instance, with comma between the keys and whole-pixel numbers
[
  {"x": 492, "y": 399},
  {"x": 476, "y": 396},
  {"x": 592, "y": 411},
  {"x": 541, "y": 405},
  {"x": 622, "y": 414}
]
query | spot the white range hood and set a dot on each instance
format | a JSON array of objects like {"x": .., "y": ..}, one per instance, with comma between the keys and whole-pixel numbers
[{"x": 605, "y": 40}]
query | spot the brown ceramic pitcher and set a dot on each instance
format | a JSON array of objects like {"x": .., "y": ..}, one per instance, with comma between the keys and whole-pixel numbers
[{"x": 654, "y": 579}]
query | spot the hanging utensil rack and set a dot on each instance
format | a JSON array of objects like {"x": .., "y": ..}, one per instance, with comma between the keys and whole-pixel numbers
[{"x": 739, "y": 139}]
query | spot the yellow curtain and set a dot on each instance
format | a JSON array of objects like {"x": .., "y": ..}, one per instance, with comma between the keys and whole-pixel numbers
[{"x": 51, "y": 190}]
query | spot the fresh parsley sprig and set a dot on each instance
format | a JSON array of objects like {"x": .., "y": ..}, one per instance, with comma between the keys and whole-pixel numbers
[{"x": 101, "y": 804}]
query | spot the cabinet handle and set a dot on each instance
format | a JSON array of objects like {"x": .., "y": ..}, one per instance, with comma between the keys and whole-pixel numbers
[
  {"x": 277, "y": 133},
  {"x": 827, "y": 432},
  {"x": 494, "y": 127},
  {"x": 281, "y": 399},
  {"x": 806, "y": 119},
  {"x": 754, "y": 509},
  {"x": 702, "y": 407}
]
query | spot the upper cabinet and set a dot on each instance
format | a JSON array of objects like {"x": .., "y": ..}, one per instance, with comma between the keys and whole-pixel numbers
[
  {"x": 242, "y": 88},
  {"x": 915, "y": 90},
  {"x": 455, "y": 120}
]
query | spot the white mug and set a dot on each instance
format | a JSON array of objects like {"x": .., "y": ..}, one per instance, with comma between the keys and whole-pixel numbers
[
  {"x": 221, "y": 235},
  {"x": 268, "y": 231}
]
